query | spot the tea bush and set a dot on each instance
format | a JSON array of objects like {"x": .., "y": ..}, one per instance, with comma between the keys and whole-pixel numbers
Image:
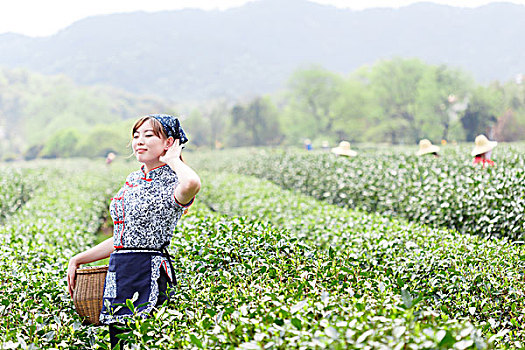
[
  {"x": 247, "y": 284},
  {"x": 281, "y": 271},
  {"x": 442, "y": 192},
  {"x": 37, "y": 241},
  {"x": 456, "y": 275},
  {"x": 16, "y": 187}
]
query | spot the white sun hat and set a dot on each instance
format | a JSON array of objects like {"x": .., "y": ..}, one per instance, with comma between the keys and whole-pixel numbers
[
  {"x": 482, "y": 145},
  {"x": 344, "y": 149},
  {"x": 426, "y": 147}
]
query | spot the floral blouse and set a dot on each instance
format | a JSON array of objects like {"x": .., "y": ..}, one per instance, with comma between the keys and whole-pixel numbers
[{"x": 145, "y": 211}]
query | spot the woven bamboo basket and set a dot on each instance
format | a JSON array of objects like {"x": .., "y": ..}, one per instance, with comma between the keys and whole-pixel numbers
[{"x": 88, "y": 293}]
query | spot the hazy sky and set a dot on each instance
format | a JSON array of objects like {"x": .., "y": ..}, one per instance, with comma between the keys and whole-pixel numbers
[{"x": 46, "y": 17}]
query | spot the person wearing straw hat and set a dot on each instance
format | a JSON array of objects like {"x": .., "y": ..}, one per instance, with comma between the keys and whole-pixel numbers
[
  {"x": 145, "y": 212},
  {"x": 483, "y": 150},
  {"x": 426, "y": 147},
  {"x": 307, "y": 144},
  {"x": 344, "y": 150}
]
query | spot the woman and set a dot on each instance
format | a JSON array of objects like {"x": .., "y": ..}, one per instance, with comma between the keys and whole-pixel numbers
[
  {"x": 483, "y": 150},
  {"x": 145, "y": 212}
]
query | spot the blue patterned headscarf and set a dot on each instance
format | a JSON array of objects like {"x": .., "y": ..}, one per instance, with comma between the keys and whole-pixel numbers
[{"x": 171, "y": 126}]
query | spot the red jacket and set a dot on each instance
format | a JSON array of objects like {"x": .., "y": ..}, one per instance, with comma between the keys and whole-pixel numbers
[{"x": 484, "y": 161}]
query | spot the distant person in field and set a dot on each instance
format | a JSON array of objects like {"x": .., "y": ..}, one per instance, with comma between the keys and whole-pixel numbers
[
  {"x": 426, "y": 147},
  {"x": 145, "y": 212},
  {"x": 110, "y": 157},
  {"x": 483, "y": 150},
  {"x": 344, "y": 150},
  {"x": 308, "y": 145}
]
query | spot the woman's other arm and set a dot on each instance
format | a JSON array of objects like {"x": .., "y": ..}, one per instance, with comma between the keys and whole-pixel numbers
[{"x": 98, "y": 252}]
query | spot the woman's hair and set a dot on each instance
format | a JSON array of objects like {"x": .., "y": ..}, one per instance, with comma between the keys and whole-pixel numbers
[{"x": 158, "y": 130}]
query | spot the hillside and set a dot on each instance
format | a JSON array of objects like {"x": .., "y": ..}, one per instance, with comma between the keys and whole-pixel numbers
[
  {"x": 249, "y": 50},
  {"x": 34, "y": 107}
]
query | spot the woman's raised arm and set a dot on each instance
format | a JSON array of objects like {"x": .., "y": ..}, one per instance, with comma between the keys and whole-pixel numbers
[{"x": 189, "y": 181}]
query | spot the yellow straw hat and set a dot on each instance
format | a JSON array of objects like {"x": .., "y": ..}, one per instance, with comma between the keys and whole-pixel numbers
[
  {"x": 344, "y": 149},
  {"x": 425, "y": 147},
  {"x": 482, "y": 145}
]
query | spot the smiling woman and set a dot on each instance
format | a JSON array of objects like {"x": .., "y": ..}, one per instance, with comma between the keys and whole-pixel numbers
[{"x": 145, "y": 212}]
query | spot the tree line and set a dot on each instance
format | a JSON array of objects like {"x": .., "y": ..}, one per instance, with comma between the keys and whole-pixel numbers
[
  {"x": 397, "y": 101},
  {"x": 51, "y": 116}
]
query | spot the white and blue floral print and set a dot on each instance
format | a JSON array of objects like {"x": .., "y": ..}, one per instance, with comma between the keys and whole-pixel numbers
[{"x": 171, "y": 126}]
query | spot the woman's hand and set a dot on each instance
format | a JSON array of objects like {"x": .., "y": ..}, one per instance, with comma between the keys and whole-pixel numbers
[
  {"x": 100, "y": 251},
  {"x": 172, "y": 153},
  {"x": 71, "y": 275}
]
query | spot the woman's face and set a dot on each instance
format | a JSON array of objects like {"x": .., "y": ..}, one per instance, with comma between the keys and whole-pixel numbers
[{"x": 147, "y": 146}]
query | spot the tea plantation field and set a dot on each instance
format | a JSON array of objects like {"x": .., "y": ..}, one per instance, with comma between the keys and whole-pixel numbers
[
  {"x": 441, "y": 192},
  {"x": 265, "y": 260}
]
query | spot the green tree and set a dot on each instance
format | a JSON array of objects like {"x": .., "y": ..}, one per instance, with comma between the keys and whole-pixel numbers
[
  {"x": 442, "y": 92},
  {"x": 485, "y": 104},
  {"x": 356, "y": 109},
  {"x": 395, "y": 88},
  {"x": 508, "y": 128},
  {"x": 34, "y": 107},
  {"x": 61, "y": 144},
  {"x": 255, "y": 124},
  {"x": 102, "y": 139},
  {"x": 511, "y": 124},
  {"x": 197, "y": 129},
  {"x": 207, "y": 124},
  {"x": 311, "y": 104}
]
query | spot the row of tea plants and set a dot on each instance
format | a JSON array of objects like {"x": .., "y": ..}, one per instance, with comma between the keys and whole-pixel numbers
[
  {"x": 56, "y": 221},
  {"x": 452, "y": 274},
  {"x": 250, "y": 279},
  {"x": 16, "y": 187},
  {"x": 245, "y": 283},
  {"x": 443, "y": 192}
]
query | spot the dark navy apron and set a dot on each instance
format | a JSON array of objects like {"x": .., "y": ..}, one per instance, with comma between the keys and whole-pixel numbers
[{"x": 133, "y": 274}]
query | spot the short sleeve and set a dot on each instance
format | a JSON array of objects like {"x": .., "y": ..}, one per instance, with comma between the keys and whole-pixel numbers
[
  {"x": 183, "y": 205},
  {"x": 174, "y": 202}
]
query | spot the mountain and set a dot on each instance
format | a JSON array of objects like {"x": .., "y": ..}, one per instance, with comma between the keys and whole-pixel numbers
[{"x": 194, "y": 54}]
